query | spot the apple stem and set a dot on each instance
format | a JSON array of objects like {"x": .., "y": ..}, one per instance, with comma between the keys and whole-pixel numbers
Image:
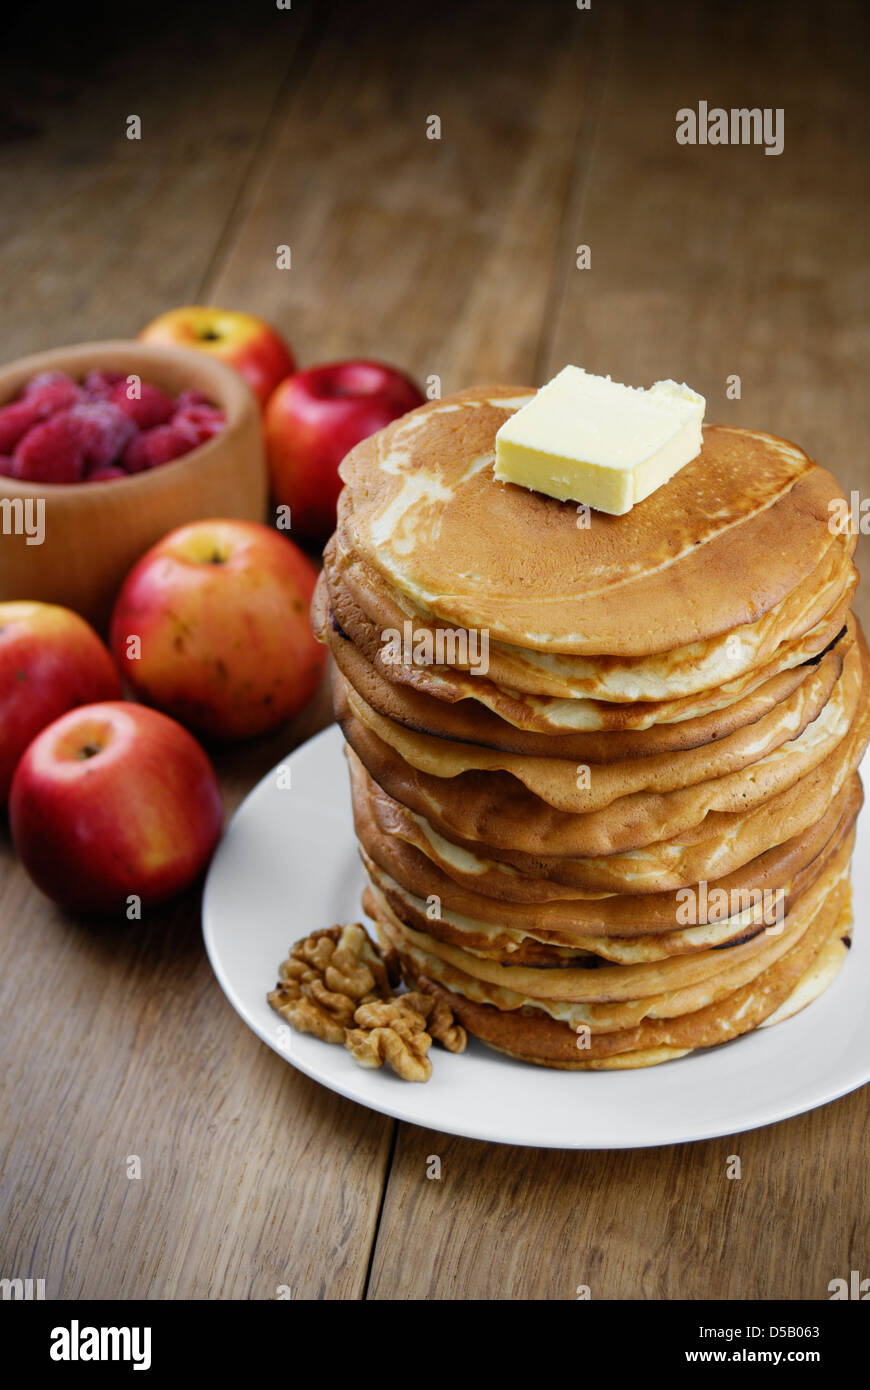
[{"x": 90, "y": 750}]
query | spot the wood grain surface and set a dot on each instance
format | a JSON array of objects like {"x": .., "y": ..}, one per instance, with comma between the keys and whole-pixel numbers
[{"x": 457, "y": 259}]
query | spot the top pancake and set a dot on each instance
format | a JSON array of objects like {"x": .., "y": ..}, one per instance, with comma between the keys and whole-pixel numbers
[{"x": 422, "y": 506}]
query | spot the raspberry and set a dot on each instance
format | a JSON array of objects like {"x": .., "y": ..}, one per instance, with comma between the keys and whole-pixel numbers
[
  {"x": 205, "y": 420},
  {"x": 104, "y": 431},
  {"x": 152, "y": 406},
  {"x": 186, "y": 398},
  {"x": 7, "y": 467},
  {"x": 51, "y": 452},
  {"x": 15, "y": 420},
  {"x": 104, "y": 474},
  {"x": 99, "y": 385},
  {"x": 160, "y": 445},
  {"x": 51, "y": 391}
]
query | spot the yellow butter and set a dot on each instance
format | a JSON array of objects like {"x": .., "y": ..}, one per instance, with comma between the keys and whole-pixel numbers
[{"x": 590, "y": 439}]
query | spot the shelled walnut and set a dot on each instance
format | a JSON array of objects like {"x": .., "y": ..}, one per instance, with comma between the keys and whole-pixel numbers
[
  {"x": 326, "y": 976},
  {"x": 392, "y": 1032},
  {"x": 336, "y": 985},
  {"x": 439, "y": 1020}
]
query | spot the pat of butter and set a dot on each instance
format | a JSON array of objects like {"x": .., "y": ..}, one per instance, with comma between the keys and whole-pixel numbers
[{"x": 592, "y": 440}]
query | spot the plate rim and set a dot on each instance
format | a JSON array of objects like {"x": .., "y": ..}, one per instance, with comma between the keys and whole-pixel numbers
[{"x": 326, "y": 737}]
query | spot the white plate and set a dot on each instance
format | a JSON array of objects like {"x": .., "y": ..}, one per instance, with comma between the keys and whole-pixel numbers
[{"x": 288, "y": 864}]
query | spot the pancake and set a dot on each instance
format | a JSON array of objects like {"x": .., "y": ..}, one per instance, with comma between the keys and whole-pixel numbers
[
  {"x": 528, "y": 1034},
  {"x": 821, "y": 973},
  {"x": 546, "y": 713},
  {"x": 573, "y": 921},
  {"x": 365, "y": 608},
  {"x": 554, "y": 779},
  {"x": 650, "y": 988},
  {"x": 660, "y": 577},
  {"x": 468, "y": 719},
  {"x": 724, "y": 842},
  {"x": 496, "y": 812},
  {"x": 603, "y": 768},
  {"x": 508, "y": 938},
  {"x": 537, "y": 765}
]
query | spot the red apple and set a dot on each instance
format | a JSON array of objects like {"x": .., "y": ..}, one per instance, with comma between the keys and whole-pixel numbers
[
  {"x": 220, "y": 609},
  {"x": 113, "y": 800},
  {"x": 242, "y": 341},
  {"x": 313, "y": 419},
  {"x": 50, "y": 661}
]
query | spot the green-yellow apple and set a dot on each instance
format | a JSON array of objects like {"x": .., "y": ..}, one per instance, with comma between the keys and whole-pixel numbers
[
  {"x": 114, "y": 801},
  {"x": 314, "y": 419},
  {"x": 241, "y": 340},
  {"x": 50, "y": 661},
  {"x": 211, "y": 625}
]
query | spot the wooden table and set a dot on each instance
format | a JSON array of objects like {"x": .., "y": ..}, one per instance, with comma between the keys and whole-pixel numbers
[{"x": 455, "y": 258}]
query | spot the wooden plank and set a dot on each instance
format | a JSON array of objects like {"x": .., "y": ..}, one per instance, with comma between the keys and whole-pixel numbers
[
  {"x": 507, "y": 1223},
  {"x": 709, "y": 261},
  {"x": 121, "y": 1043},
  {"x": 705, "y": 262},
  {"x": 439, "y": 256},
  {"x": 185, "y": 1255},
  {"x": 433, "y": 254},
  {"x": 102, "y": 233}
]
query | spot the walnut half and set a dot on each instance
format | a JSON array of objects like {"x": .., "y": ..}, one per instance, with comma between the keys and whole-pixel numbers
[
  {"x": 336, "y": 985},
  {"x": 394, "y": 1033},
  {"x": 439, "y": 1020},
  {"x": 325, "y": 977}
]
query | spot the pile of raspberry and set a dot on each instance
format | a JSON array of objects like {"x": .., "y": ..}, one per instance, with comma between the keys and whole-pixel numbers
[{"x": 108, "y": 426}]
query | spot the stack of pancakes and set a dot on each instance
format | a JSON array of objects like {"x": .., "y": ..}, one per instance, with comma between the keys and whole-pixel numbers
[{"x": 603, "y": 768}]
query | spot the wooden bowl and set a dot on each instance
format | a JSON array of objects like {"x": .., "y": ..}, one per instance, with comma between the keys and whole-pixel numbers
[{"x": 94, "y": 532}]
